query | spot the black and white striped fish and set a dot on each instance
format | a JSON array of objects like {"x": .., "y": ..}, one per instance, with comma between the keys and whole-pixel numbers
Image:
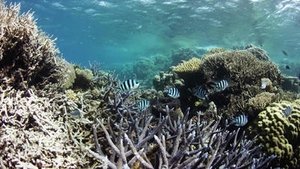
[
  {"x": 287, "y": 111},
  {"x": 173, "y": 92},
  {"x": 129, "y": 84},
  {"x": 240, "y": 120},
  {"x": 142, "y": 105},
  {"x": 200, "y": 92},
  {"x": 220, "y": 85}
]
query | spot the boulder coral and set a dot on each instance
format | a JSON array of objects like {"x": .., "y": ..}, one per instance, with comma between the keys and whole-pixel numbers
[
  {"x": 27, "y": 56},
  {"x": 279, "y": 133}
]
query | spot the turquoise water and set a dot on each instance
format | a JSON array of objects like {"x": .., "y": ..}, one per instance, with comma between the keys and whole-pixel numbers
[{"x": 118, "y": 32}]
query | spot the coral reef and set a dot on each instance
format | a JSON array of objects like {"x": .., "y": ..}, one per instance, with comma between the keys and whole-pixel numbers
[
  {"x": 279, "y": 132},
  {"x": 27, "y": 56},
  {"x": 92, "y": 124}
]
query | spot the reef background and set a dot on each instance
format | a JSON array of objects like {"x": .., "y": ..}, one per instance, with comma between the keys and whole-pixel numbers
[
  {"x": 59, "y": 115},
  {"x": 114, "y": 33}
]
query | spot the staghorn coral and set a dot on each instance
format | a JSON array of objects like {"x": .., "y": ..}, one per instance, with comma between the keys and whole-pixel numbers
[
  {"x": 173, "y": 144},
  {"x": 27, "y": 56},
  {"x": 278, "y": 133}
]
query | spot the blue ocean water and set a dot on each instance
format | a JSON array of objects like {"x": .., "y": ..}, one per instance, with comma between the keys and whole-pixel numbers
[{"x": 118, "y": 32}]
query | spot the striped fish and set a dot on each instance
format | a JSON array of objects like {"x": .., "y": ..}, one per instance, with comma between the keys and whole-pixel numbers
[
  {"x": 221, "y": 85},
  {"x": 287, "y": 111},
  {"x": 173, "y": 92},
  {"x": 240, "y": 120},
  {"x": 142, "y": 105},
  {"x": 200, "y": 92},
  {"x": 129, "y": 84}
]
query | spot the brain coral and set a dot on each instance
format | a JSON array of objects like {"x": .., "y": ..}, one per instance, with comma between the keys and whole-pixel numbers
[
  {"x": 278, "y": 133},
  {"x": 27, "y": 56}
]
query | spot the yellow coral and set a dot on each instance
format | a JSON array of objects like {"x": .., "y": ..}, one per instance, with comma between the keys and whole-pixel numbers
[
  {"x": 279, "y": 133},
  {"x": 190, "y": 66}
]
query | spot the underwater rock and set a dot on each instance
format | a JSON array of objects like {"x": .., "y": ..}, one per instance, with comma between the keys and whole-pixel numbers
[{"x": 279, "y": 133}]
